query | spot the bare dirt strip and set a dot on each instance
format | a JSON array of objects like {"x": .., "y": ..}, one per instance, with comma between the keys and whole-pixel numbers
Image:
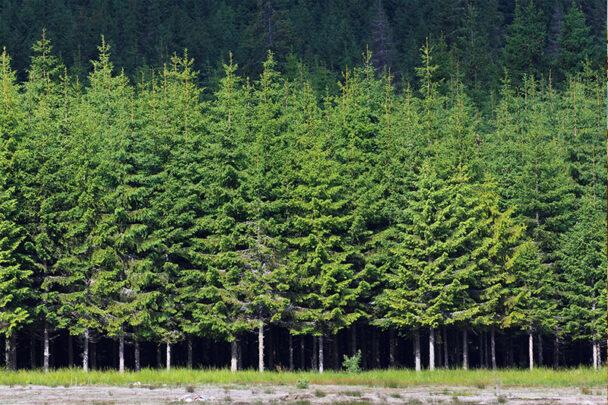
[{"x": 319, "y": 394}]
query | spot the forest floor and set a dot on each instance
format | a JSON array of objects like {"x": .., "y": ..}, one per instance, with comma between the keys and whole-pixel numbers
[{"x": 71, "y": 386}]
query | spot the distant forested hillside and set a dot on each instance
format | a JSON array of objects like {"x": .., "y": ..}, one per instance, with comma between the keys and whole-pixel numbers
[{"x": 475, "y": 40}]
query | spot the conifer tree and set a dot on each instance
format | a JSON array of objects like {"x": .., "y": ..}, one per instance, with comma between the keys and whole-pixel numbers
[
  {"x": 530, "y": 305},
  {"x": 15, "y": 289},
  {"x": 575, "y": 42},
  {"x": 179, "y": 199},
  {"x": 225, "y": 220},
  {"x": 324, "y": 285},
  {"x": 41, "y": 177},
  {"x": 261, "y": 286},
  {"x": 525, "y": 41},
  {"x": 583, "y": 263}
]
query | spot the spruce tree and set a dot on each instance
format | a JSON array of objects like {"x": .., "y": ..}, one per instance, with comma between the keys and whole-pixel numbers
[
  {"x": 15, "y": 288},
  {"x": 41, "y": 177},
  {"x": 575, "y": 43},
  {"x": 324, "y": 285},
  {"x": 582, "y": 264},
  {"x": 525, "y": 41}
]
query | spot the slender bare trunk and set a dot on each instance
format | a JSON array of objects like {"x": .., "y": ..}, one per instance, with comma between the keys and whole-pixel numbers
[
  {"x": 556, "y": 351},
  {"x": 93, "y": 355},
  {"x": 391, "y": 349},
  {"x": 189, "y": 358},
  {"x": 70, "y": 351},
  {"x": 8, "y": 362},
  {"x": 85, "y": 351},
  {"x": 233, "y": 356},
  {"x": 302, "y": 356},
  {"x": 335, "y": 351},
  {"x": 314, "y": 364},
  {"x": 418, "y": 362},
  {"x": 121, "y": 353},
  {"x": 465, "y": 348},
  {"x": 375, "y": 348},
  {"x": 493, "y": 347},
  {"x": 446, "y": 362},
  {"x": 239, "y": 356},
  {"x": 168, "y": 360},
  {"x": 290, "y": 352},
  {"x": 431, "y": 348},
  {"x": 596, "y": 352},
  {"x": 159, "y": 357},
  {"x": 47, "y": 349},
  {"x": 541, "y": 359},
  {"x": 32, "y": 351},
  {"x": 321, "y": 358},
  {"x": 137, "y": 355},
  {"x": 261, "y": 348},
  {"x": 531, "y": 350}
]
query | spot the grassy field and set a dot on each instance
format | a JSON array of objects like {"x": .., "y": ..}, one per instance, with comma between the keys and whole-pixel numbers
[{"x": 579, "y": 377}]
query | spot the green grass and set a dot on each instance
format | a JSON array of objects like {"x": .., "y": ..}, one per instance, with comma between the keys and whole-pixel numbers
[{"x": 151, "y": 378}]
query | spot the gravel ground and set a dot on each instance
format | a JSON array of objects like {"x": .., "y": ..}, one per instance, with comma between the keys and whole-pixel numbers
[{"x": 321, "y": 394}]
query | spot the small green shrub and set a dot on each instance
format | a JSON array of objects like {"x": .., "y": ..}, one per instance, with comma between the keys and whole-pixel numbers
[
  {"x": 302, "y": 384},
  {"x": 352, "y": 364}
]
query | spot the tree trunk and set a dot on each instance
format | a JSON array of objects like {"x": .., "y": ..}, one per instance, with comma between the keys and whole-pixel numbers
[
  {"x": 431, "y": 348},
  {"x": 121, "y": 353},
  {"x": 302, "y": 354},
  {"x": 375, "y": 348},
  {"x": 189, "y": 358},
  {"x": 483, "y": 347},
  {"x": 418, "y": 362},
  {"x": 234, "y": 356},
  {"x": 93, "y": 355},
  {"x": 159, "y": 357},
  {"x": 596, "y": 354},
  {"x": 32, "y": 352},
  {"x": 336, "y": 352},
  {"x": 8, "y": 361},
  {"x": 261, "y": 348},
  {"x": 353, "y": 340},
  {"x": 270, "y": 351},
  {"x": 85, "y": 351},
  {"x": 70, "y": 351},
  {"x": 47, "y": 349},
  {"x": 321, "y": 359},
  {"x": 290, "y": 352},
  {"x": 168, "y": 359},
  {"x": 541, "y": 360},
  {"x": 531, "y": 350},
  {"x": 314, "y": 365},
  {"x": 509, "y": 352},
  {"x": 446, "y": 362},
  {"x": 556, "y": 351},
  {"x": 493, "y": 347},
  {"x": 465, "y": 349},
  {"x": 137, "y": 356},
  {"x": 239, "y": 356},
  {"x": 391, "y": 349}
]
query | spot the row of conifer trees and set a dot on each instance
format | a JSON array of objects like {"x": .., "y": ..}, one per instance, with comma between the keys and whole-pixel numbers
[{"x": 152, "y": 210}]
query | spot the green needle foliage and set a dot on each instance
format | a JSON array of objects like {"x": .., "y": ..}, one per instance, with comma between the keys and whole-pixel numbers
[{"x": 152, "y": 210}]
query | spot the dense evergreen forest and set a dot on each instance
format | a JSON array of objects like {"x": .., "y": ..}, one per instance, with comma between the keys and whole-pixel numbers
[
  {"x": 282, "y": 217},
  {"x": 474, "y": 39}
]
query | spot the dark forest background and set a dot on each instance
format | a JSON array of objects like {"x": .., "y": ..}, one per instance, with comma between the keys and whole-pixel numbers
[{"x": 477, "y": 40}]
